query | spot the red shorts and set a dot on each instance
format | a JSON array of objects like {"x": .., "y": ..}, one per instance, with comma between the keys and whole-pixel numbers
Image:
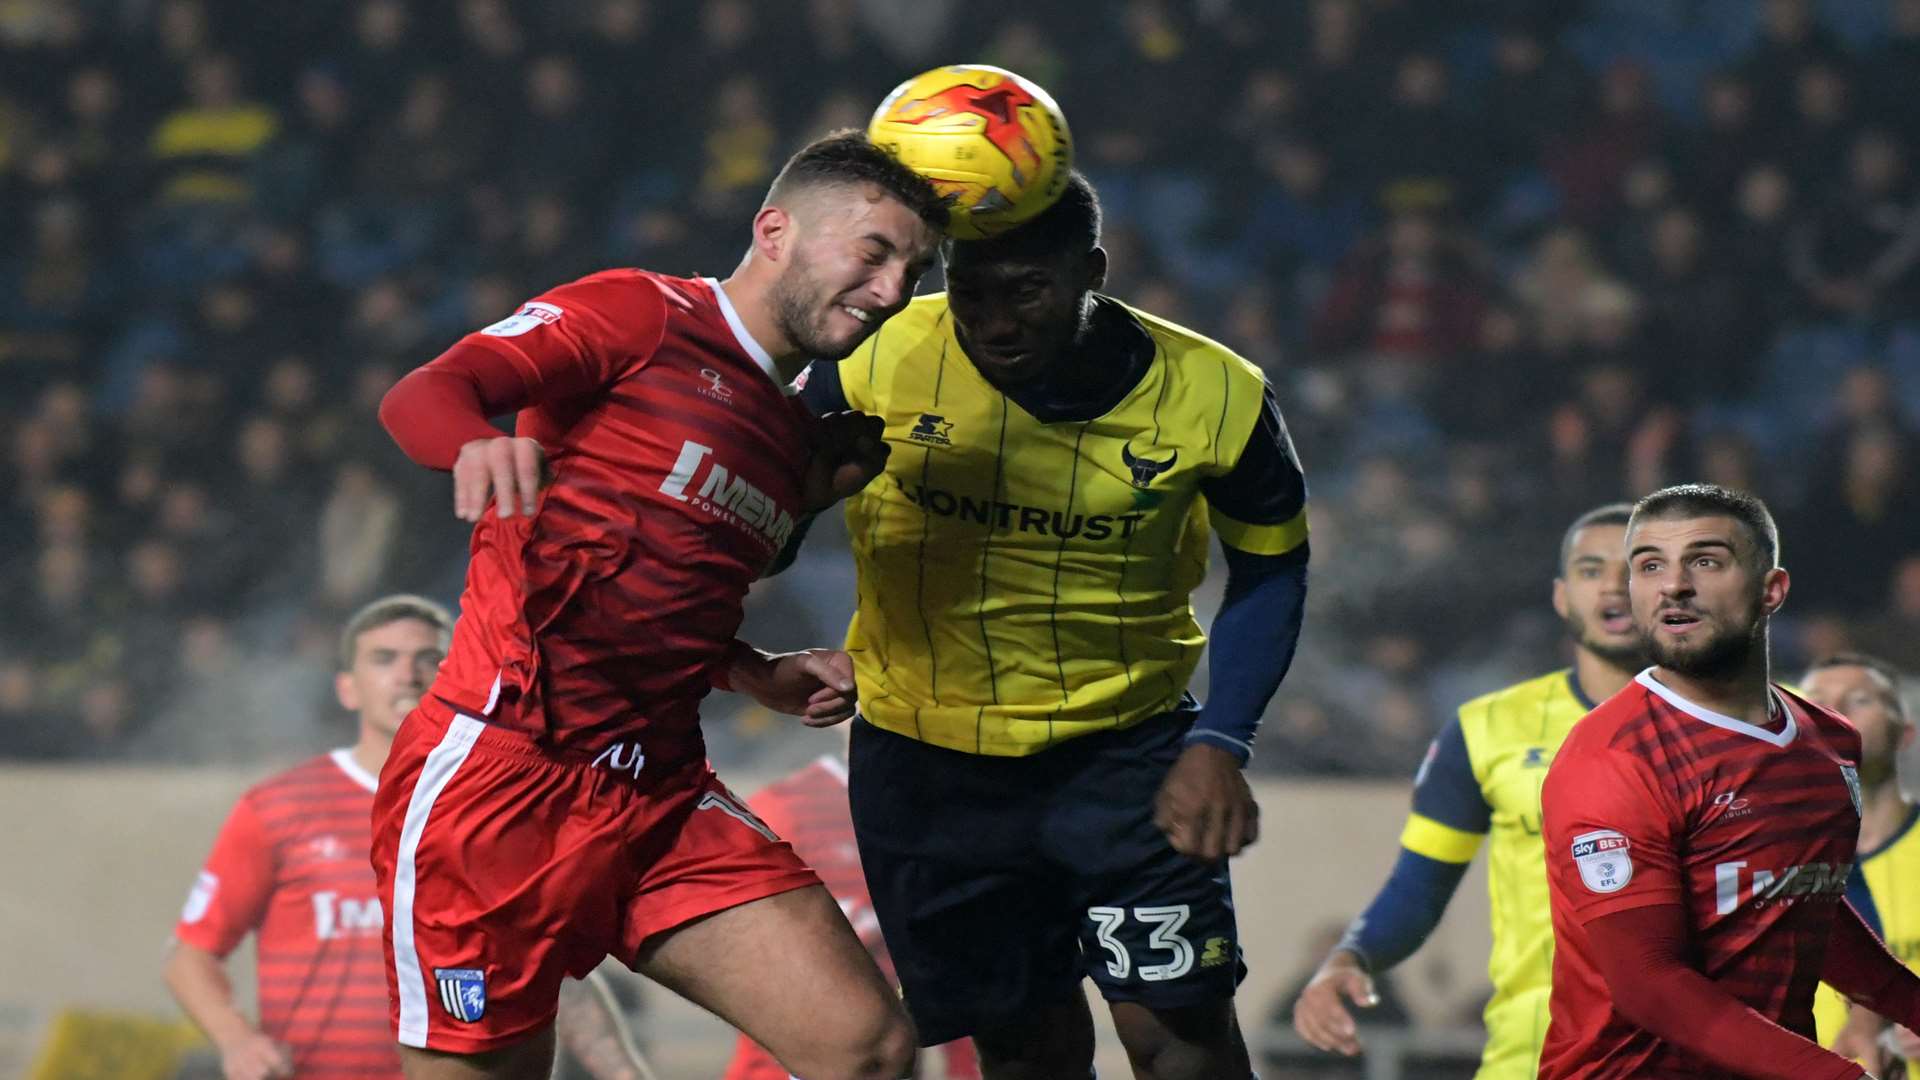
[{"x": 504, "y": 867}]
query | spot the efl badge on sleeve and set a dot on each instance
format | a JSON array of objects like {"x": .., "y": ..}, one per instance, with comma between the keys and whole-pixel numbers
[
  {"x": 463, "y": 992},
  {"x": 1603, "y": 859}
]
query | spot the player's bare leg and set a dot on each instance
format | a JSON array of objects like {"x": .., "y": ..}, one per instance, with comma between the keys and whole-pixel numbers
[
  {"x": 1050, "y": 1043},
  {"x": 788, "y": 971},
  {"x": 529, "y": 1059},
  {"x": 1198, "y": 1042}
]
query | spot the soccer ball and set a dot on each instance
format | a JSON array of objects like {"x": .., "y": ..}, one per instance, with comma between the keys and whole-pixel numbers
[{"x": 992, "y": 142}]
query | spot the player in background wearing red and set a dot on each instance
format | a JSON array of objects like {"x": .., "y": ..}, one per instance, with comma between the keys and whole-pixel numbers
[
  {"x": 1700, "y": 828},
  {"x": 550, "y": 802},
  {"x": 291, "y": 864},
  {"x": 809, "y": 809}
]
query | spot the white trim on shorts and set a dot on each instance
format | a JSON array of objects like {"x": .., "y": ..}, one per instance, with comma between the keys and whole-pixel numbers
[{"x": 439, "y": 768}]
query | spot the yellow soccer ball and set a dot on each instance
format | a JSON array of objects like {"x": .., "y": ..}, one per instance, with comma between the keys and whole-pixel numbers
[{"x": 994, "y": 143}]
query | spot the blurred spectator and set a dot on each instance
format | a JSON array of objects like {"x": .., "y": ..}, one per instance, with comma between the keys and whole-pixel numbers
[
  {"x": 1589, "y": 164},
  {"x": 1411, "y": 295},
  {"x": 1791, "y": 38},
  {"x": 1699, "y": 320},
  {"x": 1857, "y": 255},
  {"x": 1534, "y": 88},
  {"x": 204, "y": 150},
  {"x": 1856, "y": 530}
]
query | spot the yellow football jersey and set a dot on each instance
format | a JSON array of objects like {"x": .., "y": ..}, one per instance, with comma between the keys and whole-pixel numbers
[
  {"x": 1510, "y": 737},
  {"x": 1893, "y": 877},
  {"x": 1024, "y": 582}
]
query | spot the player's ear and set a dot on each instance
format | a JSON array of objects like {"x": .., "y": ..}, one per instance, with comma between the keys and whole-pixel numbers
[
  {"x": 1560, "y": 596},
  {"x": 773, "y": 232},
  {"x": 346, "y": 691},
  {"x": 1773, "y": 590},
  {"x": 1096, "y": 267}
]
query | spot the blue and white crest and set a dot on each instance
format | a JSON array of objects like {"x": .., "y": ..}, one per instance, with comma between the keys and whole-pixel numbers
[
  {"x": 463, "y": 992},
  {"x": 1852, "y": 777}
]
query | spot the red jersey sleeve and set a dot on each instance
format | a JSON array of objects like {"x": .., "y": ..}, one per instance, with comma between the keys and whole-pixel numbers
[
  {"x": 229, "y": 898},
  {"x": 1610, "y": 834},
  {"x": 576, "y": 339}
]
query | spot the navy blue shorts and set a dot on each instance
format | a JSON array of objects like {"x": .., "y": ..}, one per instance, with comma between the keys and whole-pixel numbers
[{"x": 1001, "y": 882}]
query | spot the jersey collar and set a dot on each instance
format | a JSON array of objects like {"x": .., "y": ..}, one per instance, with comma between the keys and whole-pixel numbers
[
  {"x": 761, "y": 358},
  {"x": 343, "y": 757},
  {"x": 1721, "y": 720}
]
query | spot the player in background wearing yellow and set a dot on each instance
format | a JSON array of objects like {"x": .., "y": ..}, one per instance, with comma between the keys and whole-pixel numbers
[
  {"x": 1867, "y": 692},
  {"x": 1481, "y": 782},
  {"x": 1037, "y": 798}
]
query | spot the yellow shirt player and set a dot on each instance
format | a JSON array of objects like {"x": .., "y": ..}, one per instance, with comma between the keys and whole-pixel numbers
[
  {"x": 1037, "y": 798},
  {"x": 1867, "y": 692},
  {"x": 1480, "y": 783}
]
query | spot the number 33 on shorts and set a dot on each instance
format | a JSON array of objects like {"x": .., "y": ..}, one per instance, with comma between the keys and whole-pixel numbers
[{"x": 1151, "y": 943}]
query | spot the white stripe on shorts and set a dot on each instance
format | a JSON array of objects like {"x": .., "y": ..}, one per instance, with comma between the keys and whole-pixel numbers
[{"x": 441, "y": 763}]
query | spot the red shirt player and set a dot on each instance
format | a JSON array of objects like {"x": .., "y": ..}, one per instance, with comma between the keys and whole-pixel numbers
[
  {"x": 291, "y": 864},
  {"x": 550, "y": 802},
  {"x": 809, "y": 810},
  {"x": 1700, "y": 829}
]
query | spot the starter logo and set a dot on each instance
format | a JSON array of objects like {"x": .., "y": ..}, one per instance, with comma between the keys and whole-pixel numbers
[{"x": 933, "y": 430}]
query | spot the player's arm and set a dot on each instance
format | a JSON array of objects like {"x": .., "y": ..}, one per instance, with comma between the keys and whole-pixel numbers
[
  {"x": 589, "y": 1027},
  {"x": 1259, "y": 509},
  {"x": 1859, "y": 966},
  {"x": 1610, "y": 834},
  {"x": 557, "y": 347},
  {"x": 1449, "y": 820},
  {"x": 227, "y": 902}
]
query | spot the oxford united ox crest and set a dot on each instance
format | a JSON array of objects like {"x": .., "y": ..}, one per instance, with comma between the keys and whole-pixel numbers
[
  {"x": 1144, "y": 470},
  {"x": 463, "y": 992}
]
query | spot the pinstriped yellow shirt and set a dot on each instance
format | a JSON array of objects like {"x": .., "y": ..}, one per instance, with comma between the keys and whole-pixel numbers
[{"x": 1025, "y": 582}]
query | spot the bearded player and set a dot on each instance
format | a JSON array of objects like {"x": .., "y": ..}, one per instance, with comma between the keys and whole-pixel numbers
[
  {"x": 1481, "y": 782},
  {"x": 1700, "y": 829},
  {"x": 550, "y": 802}
]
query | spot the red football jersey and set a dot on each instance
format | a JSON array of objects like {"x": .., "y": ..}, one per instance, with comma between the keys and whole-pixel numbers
[
  {"x": 1656, "y": 800},
  {"x": 292, "y": 863},
  {"x": 676, "y": 464},
  {"x": 809, "y": 811}
]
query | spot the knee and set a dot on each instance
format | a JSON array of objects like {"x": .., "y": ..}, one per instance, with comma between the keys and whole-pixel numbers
[{"x": 879, "y": 1048}]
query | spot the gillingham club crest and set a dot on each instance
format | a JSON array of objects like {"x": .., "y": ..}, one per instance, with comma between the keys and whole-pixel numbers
[
  {"x": 463, "y": 992},
  {"x": 1852, "y": 777}
]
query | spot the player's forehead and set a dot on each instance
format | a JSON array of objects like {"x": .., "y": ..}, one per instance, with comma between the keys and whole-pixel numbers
[
  {"x": 987, "y": 265},
  {"x": 1833, "y": 683},
  {"x": 1606, "y": 541},
  {"x": 406, "y": 634},
  {"x": 863, "y": 210},
  {"x": 1670, "y": 535}
]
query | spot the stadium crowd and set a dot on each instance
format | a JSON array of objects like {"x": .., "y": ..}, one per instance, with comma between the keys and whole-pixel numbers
[{"x": 1504, "y": 261}]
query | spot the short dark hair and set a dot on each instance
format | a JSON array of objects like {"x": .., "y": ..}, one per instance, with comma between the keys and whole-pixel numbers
[
  {"x": 1070, "y": 225},
  {"x": 1611, "y": 514},
  {"x": 390, "y": 609},
  {"x": 1712, "y": 500},
  {"x": 1871, "y": 663},
  {"x": 848, "y": 157}
]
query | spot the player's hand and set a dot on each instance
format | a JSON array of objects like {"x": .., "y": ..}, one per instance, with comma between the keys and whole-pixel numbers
[
  {"x": 814, "y": 684},
  {"x": 1321, "y": 1016},
  {"x": 255, "y": 1057},
  {"x": 1860, "y": 1039},
  {"x": 1205, "y": 806},
  {"x": 510, "y": 470},
  {"x": 849, "y": 450}
]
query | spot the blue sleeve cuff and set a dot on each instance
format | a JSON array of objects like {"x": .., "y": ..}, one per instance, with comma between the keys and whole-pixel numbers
[
  {"x": 1405, "y": 911},
  {"x": 1238, "y": 748}
]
